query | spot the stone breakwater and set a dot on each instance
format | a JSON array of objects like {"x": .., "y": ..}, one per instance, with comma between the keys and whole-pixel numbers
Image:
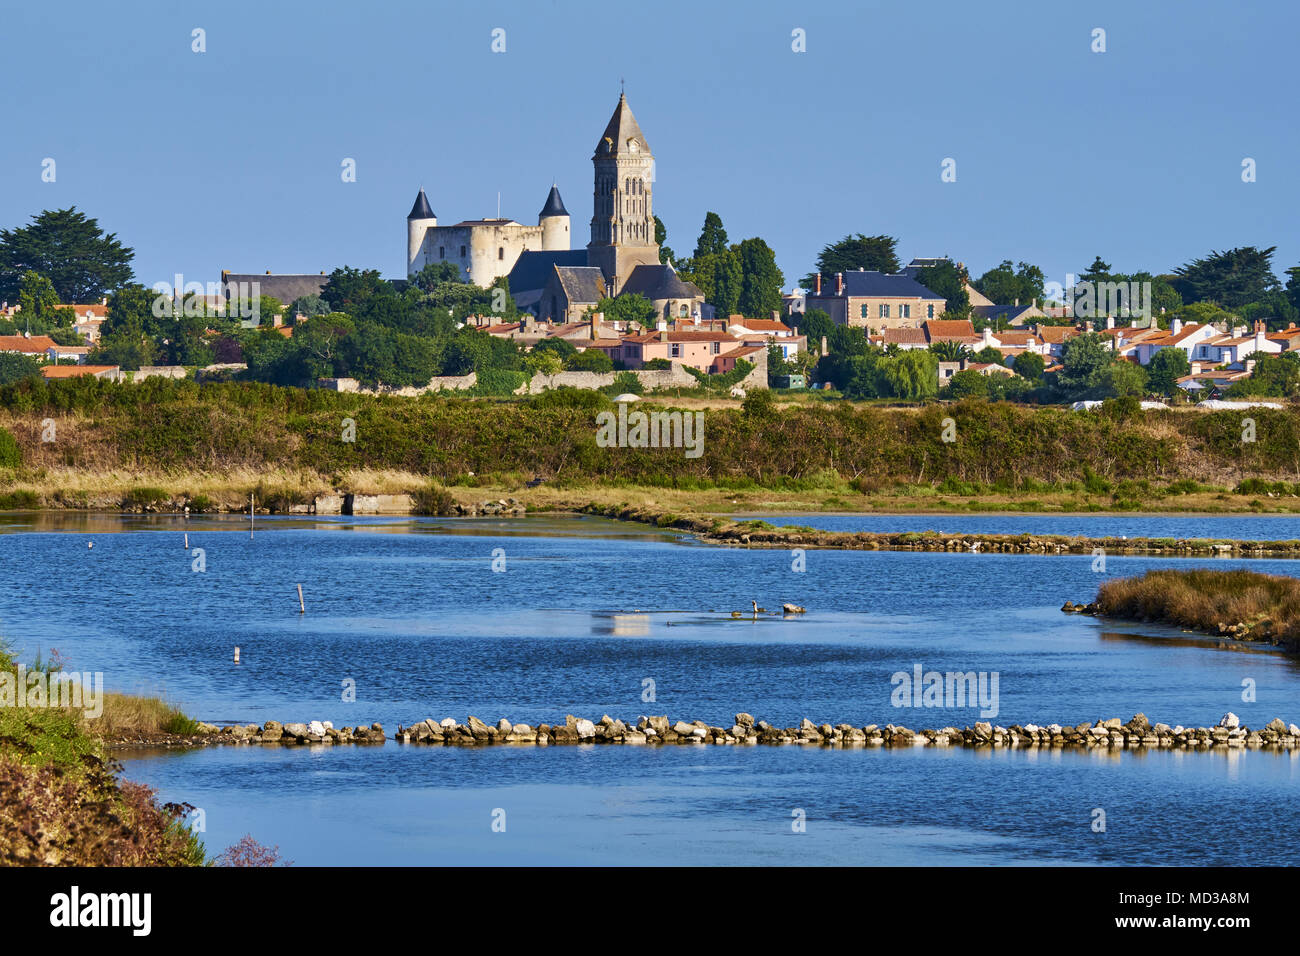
[
  {"x": 274, "y": 732},
  {"x": 1138, "y": 733},
  {"x": 722, "y": 531}
]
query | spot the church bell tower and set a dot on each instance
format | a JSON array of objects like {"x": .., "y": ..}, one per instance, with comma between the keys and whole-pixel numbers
[{"x": 623, "y": 222}]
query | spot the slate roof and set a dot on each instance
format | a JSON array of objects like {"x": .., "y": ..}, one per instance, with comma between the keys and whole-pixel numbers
[
  {"x": 286, "y": 288},
  {"x": 581, "y": 283},
  {"x": 621, "y": 128},
  {"x": 421, "y": 209},
  {"x": 532, "y": 269},
  {"x": 863, "y": 284},
  {"x": 554, "y": 205},
  {"x": 1007, "y": 312},
  {"x": 660, "y": 282}
]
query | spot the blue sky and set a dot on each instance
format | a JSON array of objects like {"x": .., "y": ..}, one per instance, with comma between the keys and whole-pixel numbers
[{"x": 231, "y": 159}]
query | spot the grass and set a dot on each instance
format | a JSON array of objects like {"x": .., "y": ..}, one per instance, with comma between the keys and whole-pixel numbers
[
  {"x": 1250, "y": 605},
  {"x": 62, "y": 802}
]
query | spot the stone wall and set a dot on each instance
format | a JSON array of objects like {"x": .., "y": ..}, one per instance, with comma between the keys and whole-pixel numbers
[{"x": 158, "y": 371}]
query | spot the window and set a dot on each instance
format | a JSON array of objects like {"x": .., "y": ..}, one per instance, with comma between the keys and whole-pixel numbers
[
  {"x": 863, "y": 312},
  {"x": 683, "y": 312},
  {"x": 501, "y": 252},
  {"x": 884, "y": 312},
  {"x": 462, "y": 252},
  {"x": 675, "y": 351},
  {"x": 442, "y": 252},
  {"x": 929, "y": 312},
  {"x": 717, "y": 347},
  {"x": 904, "y": 311}
]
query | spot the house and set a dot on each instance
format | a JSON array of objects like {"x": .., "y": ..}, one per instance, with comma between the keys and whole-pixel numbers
[
  {"x": 765, "y": 332},
  {"x": 905, "y": 339},
  {"x": 1178, "y": 336},
  {"x": 875, "y": 300},
  {"x": 37, "y": 346},
  {"x": 699, "y": 350},
  {"x": 77, "y": 353},
  {"x": 1054, "y": 338},
  {"x": 1232, "y": 349},
  {"x": 951, "y": 330},
  {"x": 110, "y": 372}
]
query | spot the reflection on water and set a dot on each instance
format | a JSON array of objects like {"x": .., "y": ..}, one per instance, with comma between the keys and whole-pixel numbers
[{"x": 585, "y": 614}]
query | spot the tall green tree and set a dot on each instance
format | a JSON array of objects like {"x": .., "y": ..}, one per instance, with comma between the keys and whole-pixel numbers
[
  {"x": 1232, "y": 278},
  {"x": 713, "y": 238},
  {"x": 947, "y": 280},
  {"x": 666, "y": 255},
  {"x": 761, "y": 280},
  {"x": 80, "y": 260},
  {"x": 873, "y": 253},
  {"x": 1006, "y": 284}
]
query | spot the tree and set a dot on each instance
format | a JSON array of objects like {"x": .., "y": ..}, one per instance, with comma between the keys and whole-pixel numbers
[
  {"x": 990, "y": 356},
  {"x": 913, "y": 375},
  {"x": 1084, "y": 360},
  {"x": 1029, "y": 365},
  {"x": 1232, "y": 278},
  {"x": 949, "y": 351},
  {"x": 1099, "y": 271},
  {"x": 70, "y": 250},
  {"x": 947, "y": 280},
  {"x": 816, "y": 324},
  {"x": 1123, "y": 378},
  {"x": 666, "y": 255},
  {"x": 14, "y": 367},
  {"x": 1005, "y": 284},
  {"x": 434, "y": 274},
  {"x": 1275, "y": 376},
  {"x": 728, "y": 282},
  {"x": 629, "y": 307},
  {"x": 969, "y": 383},
  {"x": 713, "y": 238},
  {"x": 589, "y": 360},
  {"x": 1166, "y": 367},
  {"x": 348, "y": 288},
  {"x": 39, "y": 305},
  {"x": 761, "y": 280},
  {"x": 873, "y": 253},
  {"x": 1293, "y": 285}
]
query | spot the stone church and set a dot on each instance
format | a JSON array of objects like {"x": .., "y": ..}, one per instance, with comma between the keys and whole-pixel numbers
[{"x": 547, "y": 276}]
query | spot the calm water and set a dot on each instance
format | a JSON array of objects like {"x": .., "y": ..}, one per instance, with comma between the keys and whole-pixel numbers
[{"x": 584, "y": 614}]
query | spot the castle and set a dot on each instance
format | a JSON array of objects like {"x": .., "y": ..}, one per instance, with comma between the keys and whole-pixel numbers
[{"x": 549, "y": 278}]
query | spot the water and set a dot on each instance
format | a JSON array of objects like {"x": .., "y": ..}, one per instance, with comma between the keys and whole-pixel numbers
[{"x": 585, "y": 613}]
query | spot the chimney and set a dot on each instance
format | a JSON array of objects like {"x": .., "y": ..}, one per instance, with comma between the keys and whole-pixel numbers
[
  {"x": 839, "y": 283},
  {"x": 1259, "y": 336},
  {"x": 1238, "y": 331},
  {"x": 817, "y": 284},
  {"x": 1087, "y": 326},
  {"x": 1110, "y": 321},
  {"x": 1176, "y": 326},
  {"x": 595, "y": 325},
  {"x": 988, "y": 336},
  {"x": 1017, "y": 303},
  {"x": 1250, "y": 366},
  {"x": 776, "y": 316},
  {"x": 1196, "y": 368},
  {"x": 824, "y": 349},
  {"x": 663, "y": 335}
]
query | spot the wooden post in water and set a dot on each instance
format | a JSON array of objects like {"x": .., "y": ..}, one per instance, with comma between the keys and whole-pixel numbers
[
  {"x": 236, "y": 654},
  {"x": 250, "y": 514},
  {"x": 187, "y": 540},
  {"x": 302, "y": 608}
]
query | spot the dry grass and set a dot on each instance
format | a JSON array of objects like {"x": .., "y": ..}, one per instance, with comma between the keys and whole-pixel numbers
[
  {"x": 128, "y": 714},
  {"x": 1206, "y": 600}
]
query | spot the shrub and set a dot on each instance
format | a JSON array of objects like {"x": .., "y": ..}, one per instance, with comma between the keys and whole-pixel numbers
[{"x": 11, "y": 456}]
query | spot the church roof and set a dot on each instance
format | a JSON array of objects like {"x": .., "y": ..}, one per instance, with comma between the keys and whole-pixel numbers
[
  {"x": 533, "y": 269},
  {"x": 660, "y": 282},
  {"x": 581, "y": 283},
  {"x": 554, "y": 205},
  {"x": 621, "y": 131},
  {"x": 421, "y": 209}
]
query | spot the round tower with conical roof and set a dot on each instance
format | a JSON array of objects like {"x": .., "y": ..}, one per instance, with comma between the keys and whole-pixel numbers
[
  {"x": 418, "y": 222},
  {"x": 554, "y": 220}
]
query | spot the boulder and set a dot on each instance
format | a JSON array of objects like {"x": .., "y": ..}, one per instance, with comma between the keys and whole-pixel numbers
[
  {"x": 296, "y": 730},
  {"x": 316, "y": 729},
  {"x": 1277, "y": 725},
  {"x": 1230, "y": 720},
  {"x": 585, "y": 728},
  {"x": 476, "y": 726},
  {"x": 745, "y": 720}
]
